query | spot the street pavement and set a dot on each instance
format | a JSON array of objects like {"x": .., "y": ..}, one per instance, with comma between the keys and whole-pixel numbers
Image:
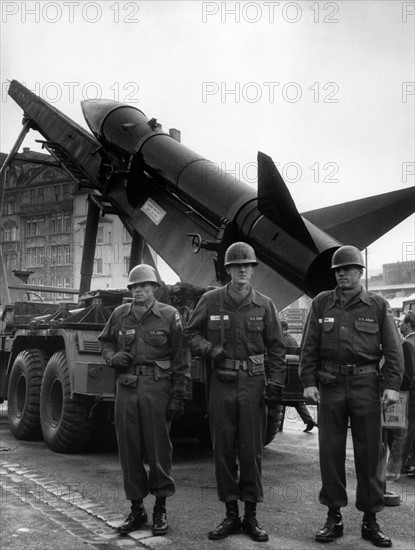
[{"x": 73, "y": 502}]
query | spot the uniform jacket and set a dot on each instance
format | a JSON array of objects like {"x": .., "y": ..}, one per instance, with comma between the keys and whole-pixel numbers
[
  {"x": 408, "y": 348},
  {"x": 250, "y": 328},
  {"x": 156, "y": 339},
  {"x": 358, "y": 333}
]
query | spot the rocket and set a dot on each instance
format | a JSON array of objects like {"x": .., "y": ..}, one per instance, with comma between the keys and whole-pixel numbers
[{"x": 189, "y": 211}]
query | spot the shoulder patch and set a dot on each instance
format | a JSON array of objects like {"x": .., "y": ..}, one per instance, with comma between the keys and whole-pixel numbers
[{"x": 178, "y": 320}]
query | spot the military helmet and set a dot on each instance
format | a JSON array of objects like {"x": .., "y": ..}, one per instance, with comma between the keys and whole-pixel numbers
[
  {"x": 240, "y": 253},
  {"x": 347, "y": 255},
  {"x": 142, "y": 273}
]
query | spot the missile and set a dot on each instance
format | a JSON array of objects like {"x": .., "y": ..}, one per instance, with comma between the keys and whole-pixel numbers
[
  {"x": 268, "y": 220},
  {"x": 189, "y": 211}
]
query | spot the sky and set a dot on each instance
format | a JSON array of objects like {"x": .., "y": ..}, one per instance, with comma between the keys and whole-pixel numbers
[{"x": 325, "y": 88}]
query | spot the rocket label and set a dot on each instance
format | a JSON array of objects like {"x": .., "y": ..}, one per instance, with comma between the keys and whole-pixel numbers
[{"x": 153, "y": 211}]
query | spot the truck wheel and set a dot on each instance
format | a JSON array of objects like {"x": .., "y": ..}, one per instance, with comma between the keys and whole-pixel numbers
[
  {"x": 274, "y": 420},
  {"x": 24, "y": 394},
  {"x": 66, "y": 423}
]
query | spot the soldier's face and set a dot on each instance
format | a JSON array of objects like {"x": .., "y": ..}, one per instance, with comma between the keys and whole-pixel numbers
[
  {"x": 348, "y": 277},
  {"x": 240, "y": 273},
  {"x": 143, "y": 293}
]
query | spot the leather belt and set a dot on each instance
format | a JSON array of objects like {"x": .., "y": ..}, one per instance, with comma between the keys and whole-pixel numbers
[
  {"x": 236, "y": 364},
  {"x": 350, "y": 368},
  {"x": 144, "y": 370}
]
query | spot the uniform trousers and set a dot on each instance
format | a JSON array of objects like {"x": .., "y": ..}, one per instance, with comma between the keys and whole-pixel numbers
[
  {"x": 355, "y": 397},
  {"x": 143, "y": 435},
  {"x": 237, "y": 417}
]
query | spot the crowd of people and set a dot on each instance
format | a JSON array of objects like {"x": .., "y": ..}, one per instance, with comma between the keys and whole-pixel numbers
[{"x": 236, "y": 329}]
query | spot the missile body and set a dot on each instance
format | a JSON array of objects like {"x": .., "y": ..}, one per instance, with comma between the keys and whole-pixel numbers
[
  {"x": 299, "y": 250},
  {"x": 163, "y": 192}
]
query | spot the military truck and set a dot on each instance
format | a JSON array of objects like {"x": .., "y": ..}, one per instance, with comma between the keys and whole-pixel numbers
[{"x": 58, "y": 386}]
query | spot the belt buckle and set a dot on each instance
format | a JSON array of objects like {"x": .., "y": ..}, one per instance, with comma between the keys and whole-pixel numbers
[{"x": 350, "y": 368}]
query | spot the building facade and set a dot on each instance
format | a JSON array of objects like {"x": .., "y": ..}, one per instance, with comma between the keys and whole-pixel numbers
[{"x": 42, "y": 229}]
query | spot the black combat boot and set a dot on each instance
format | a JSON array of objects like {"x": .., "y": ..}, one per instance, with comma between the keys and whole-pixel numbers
[
  {"x": 371, "y": 531},
  {"x": 136, "y": 518},
  {"x": 230, "y": 525},
  {"x": 333, "y": 527},
  {"x": 160, "y": 525},
  {"x": 250, "y": 524}
]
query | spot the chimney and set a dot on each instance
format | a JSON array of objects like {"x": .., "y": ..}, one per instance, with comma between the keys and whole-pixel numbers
[{"x": 26, "y": 149}]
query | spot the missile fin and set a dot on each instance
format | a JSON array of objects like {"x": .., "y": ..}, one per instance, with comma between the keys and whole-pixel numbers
[
  {"x": 363, "y": 221},
  {"x": 275, "y": 201}
]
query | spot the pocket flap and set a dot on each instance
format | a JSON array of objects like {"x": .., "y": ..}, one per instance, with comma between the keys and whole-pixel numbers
[
  {"x": 257, "y": 359},
  {"x": 163, "y": 364},
  {"x": 128, "y": 380},
  {"x": 371, "y": 328}
]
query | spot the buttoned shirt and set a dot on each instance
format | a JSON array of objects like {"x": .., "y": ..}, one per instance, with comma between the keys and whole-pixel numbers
[
  {"x": 156, "y": 337},
  {"x": 250, "y": 328},
  {"x": 358, "y": 333}
]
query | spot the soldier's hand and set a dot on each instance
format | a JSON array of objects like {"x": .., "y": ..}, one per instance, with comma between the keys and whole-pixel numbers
[
  {"x": 217, "y": 355},
  {"x": 175, "y": 409},
  {"x": 273, "y": 395},
  {"x": 312, "y": 395},
  {"x": 121, "y": 360}
]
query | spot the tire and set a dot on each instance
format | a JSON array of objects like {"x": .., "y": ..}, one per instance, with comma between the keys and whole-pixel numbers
[
  {"x": 274, "y": 420},
  {"x": 66, "y": 423},
  {"x": 24, "y": 394}
]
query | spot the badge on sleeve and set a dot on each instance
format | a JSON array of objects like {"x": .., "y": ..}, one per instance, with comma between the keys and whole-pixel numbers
[{"x": 178, "y": 320}]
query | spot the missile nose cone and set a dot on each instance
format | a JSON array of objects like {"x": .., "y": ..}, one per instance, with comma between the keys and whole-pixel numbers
[{"x": 96, "y": 110}]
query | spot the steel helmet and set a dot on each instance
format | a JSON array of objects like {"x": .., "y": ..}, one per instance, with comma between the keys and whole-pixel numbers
[
  {"x": 240, "y": 253},
  {"x": 347, "y": 255},
  {"x": 142, "y": 273}
]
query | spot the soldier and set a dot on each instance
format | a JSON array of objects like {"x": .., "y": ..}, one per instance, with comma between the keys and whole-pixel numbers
[
  {"x": 142, "y": 341},
  {"x": 233, "y": 327},
  {"x": 347, "y": 331}
]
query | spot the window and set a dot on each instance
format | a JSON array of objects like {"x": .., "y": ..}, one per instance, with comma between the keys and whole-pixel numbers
[
  {"x": 67, "y": 284},
  {"x": 98, "y": 266},
  {"x": 100, "y": 235},
  {"x": 33, "y": 196},
  {"x": 56, "y": 223},
  {"x": 34, "y": 227},
  {"x": 10, "y": 233},
  {"x": 127, "y": 236},
  {"x": 126, "y": 265},
  {"x": 67, "y": 225},
  {"x": 57, "y": 191},
  {"x": 66, "y": 191},
  {"x": 35, "y": 256},
  {"x": 11, "y": 205},
  {"x": 61, "y": 254},
  {"x": 10, "y": 261}
]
